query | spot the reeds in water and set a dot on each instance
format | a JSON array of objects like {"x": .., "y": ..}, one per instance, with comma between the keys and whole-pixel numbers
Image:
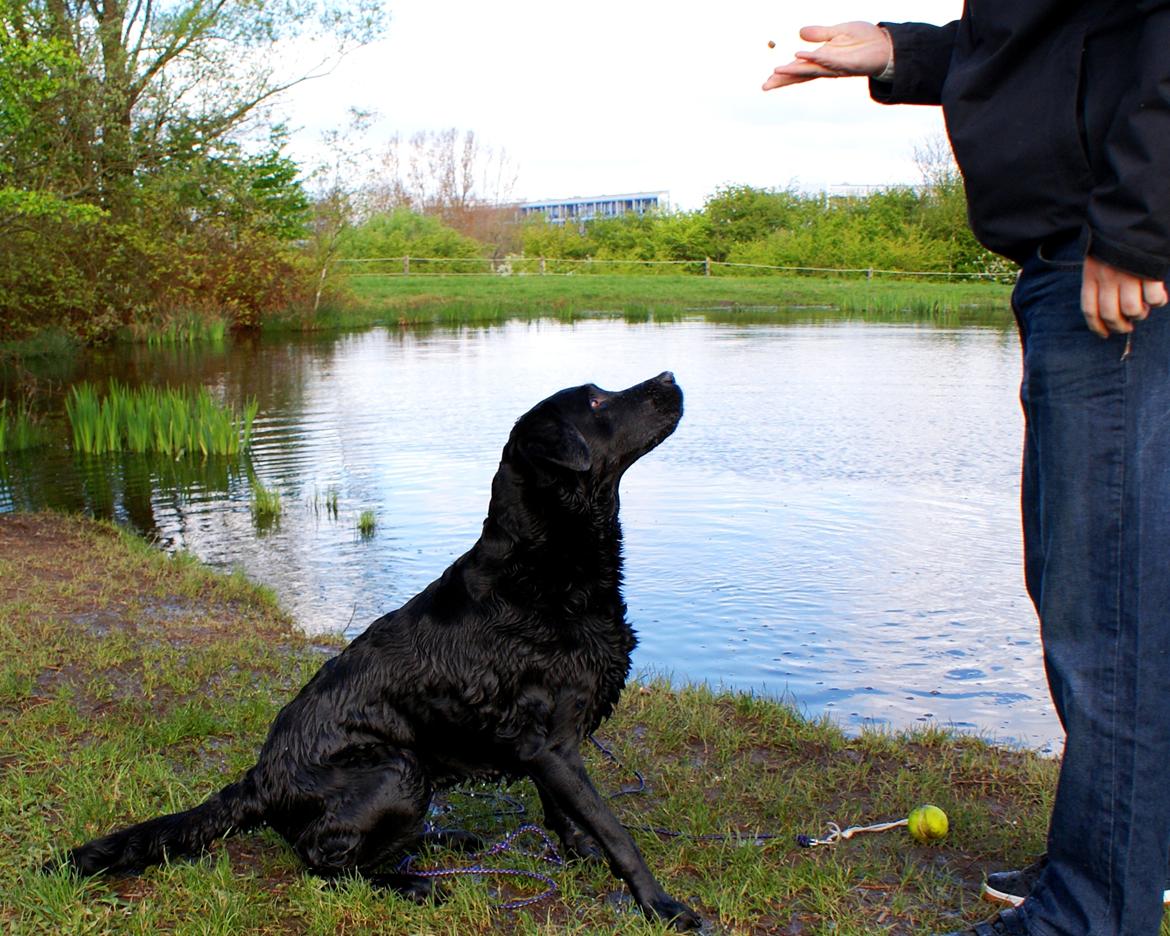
[
  {"x": 171, "y": 422},
  {"x": 367, "y": 523},
  {"x": 188, "y": 330},
  {"x": 330, "y": 502},
  {"x": 18, "y": 429},
  {"x": 266, "y": 505},
  {"x": 182, "y": 328}
]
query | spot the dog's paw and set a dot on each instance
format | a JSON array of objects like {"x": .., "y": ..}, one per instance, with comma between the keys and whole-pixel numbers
[
  {"x": 675, "y": 912},
  {"x": 579, "y": 846}
]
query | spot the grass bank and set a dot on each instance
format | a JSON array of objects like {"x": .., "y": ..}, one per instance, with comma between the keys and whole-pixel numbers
[
  {"x": 454, "y": 300},
  {"x": 133, "y": 683},
  {"x": 451, "y": 300}
]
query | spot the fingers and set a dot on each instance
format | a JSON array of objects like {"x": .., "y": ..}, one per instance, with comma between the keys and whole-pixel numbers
[
  {"x": 1110, "y": 316},
  {"x": 819, "y": 33},
  {"x": 1112, "y": 299},
  {"x": 830, "y": 63},
  {"x": 1091, "y": 307},
  {"x": 1131, "y": 302},
  {"x": 794, "y": 73},
  {"x": 845, "y": 49},
  {"x": 1154, "y": 293},
  {"x": 1104, "y": 297}
]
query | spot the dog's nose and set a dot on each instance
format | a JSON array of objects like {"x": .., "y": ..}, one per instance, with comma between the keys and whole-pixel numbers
[{"x": 665, "y": 377}]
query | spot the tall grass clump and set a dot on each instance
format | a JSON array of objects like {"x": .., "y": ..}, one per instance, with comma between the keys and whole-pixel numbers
[
  {"x": 366, "y": 524},
  {"x": 19, "y": 430},
  {"x": 181, "y": 328},
  {"x": 174, "y": 421},
  {"x": 188, "y": 329},
  {"x": 266, "y": 505}
]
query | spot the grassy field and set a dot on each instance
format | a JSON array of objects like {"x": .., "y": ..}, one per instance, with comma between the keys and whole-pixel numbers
[
  {"x": 448, "y": 300},
  {"x": 134, "y": 684},
  {"x": 137, "y": 683}
]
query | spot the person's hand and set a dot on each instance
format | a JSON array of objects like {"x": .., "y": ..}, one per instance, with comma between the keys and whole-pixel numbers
[
  {"x": 848, "y": 49},
  {"x": 1112, "y": 299}
]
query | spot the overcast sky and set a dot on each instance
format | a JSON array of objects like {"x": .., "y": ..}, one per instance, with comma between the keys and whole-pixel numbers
[{"x": 619, "y": 96}]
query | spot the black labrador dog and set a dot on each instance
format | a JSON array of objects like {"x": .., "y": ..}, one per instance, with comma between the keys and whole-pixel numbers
[{"x": 501, "y": 667}]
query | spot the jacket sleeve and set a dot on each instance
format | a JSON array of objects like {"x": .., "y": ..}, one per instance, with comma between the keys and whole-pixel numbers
[
  {"x": 922, "y": 57},
  {"x": 1129, "y": 210}
]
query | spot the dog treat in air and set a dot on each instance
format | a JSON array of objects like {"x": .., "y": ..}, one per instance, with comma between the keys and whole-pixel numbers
[{"x": 771, "y": 44}]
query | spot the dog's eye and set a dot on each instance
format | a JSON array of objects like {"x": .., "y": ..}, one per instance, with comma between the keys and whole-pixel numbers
[{"x": 595, "y": 403}]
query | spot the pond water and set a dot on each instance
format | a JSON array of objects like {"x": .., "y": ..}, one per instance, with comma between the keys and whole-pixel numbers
[{"x": 835, "y": 521}]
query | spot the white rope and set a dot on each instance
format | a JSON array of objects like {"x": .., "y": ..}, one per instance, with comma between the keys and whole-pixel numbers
[{"x": 837, "y": 834}]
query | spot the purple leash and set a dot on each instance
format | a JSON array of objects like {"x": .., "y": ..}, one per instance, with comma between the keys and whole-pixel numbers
[{"x": 547, "y": 854}]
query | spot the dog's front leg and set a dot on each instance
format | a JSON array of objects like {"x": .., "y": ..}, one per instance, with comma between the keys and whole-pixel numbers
[
  {"x": 577, "y": 843},
  {"x": 561, "y": 775}
]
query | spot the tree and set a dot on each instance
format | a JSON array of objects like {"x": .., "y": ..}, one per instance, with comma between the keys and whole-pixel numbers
[
  {"x": 451, "y": 176},
  {"x": 403, "y": 233},
  {"x": 151, "y": 79},
  {"x": 741, "y": 213},
  {"x": 338, "y": 185},
  {"x": 944, "y": 210},
  {"x": 36, "y": 75},
  {"x": 126, "y": 186}
]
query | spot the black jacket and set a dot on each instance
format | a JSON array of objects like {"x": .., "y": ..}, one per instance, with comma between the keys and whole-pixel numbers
[{"x": 1059, "y": 114}]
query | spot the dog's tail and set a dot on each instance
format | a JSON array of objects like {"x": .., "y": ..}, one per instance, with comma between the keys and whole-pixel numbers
[{"x": 235, "y": 808}]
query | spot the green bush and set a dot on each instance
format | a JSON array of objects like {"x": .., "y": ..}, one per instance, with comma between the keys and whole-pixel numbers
[
  {"x": 897, "y": 229},
  {"x": 402, "y": 233}
]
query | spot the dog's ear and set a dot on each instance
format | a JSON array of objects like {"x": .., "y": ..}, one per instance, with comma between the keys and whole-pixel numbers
[{"x": 559, "y": 443}]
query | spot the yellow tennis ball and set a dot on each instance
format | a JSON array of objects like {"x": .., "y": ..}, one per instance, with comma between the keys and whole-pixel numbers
[{"x": 927, "y": 824}]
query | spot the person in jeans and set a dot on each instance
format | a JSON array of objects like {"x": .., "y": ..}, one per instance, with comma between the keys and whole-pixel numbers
[{"x": 1059, "y": 116}]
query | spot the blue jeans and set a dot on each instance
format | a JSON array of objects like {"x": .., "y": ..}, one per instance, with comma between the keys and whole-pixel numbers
[{"x": 1096, "y": 512}]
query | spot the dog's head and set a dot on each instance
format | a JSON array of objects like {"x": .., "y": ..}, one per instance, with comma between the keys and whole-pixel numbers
[{"x": 595, "y": 434}]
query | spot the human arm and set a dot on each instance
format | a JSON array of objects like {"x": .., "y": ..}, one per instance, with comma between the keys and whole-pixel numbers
[
  {"x": 919, "y": 54},
  {"x": 922, "y": 59}
]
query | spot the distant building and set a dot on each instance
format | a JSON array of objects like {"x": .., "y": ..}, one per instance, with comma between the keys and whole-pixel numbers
[
  {"x": 852, "y": 190},
  {"x": 579, "y": 210}
]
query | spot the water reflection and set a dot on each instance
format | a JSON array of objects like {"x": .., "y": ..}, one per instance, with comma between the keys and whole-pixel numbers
[{"x": 834, "y": 521}]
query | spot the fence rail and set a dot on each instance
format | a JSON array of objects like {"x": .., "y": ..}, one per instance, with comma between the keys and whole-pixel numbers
[{"x": 558, "y": 266}]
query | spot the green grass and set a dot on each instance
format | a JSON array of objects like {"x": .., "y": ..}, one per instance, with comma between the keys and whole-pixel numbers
[
  {"x": 143, "y": 683},
  {"x": 366, "y": 524},
  {"x": 266, "y": 505},
  {"x": 173, "y": 422},
  {"x": 453, "y": 300},
  {"x": 178, "y": 329},
  {"x": 328, "y": 502},
  {"x": 19, "y": 428}
]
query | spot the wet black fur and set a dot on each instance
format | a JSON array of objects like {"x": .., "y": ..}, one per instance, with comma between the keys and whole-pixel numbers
[{"x": 500, "y": 667}]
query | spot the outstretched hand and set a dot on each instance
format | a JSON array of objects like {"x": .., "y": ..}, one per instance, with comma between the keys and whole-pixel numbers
[{"x": 847, "y": 49}]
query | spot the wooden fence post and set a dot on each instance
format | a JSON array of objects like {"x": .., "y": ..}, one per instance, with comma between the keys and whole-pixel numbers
[
  {"x": 707, "y": 266},
  {"x": 542, "y": 266},
  {"x": 406, "y": 266}
]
